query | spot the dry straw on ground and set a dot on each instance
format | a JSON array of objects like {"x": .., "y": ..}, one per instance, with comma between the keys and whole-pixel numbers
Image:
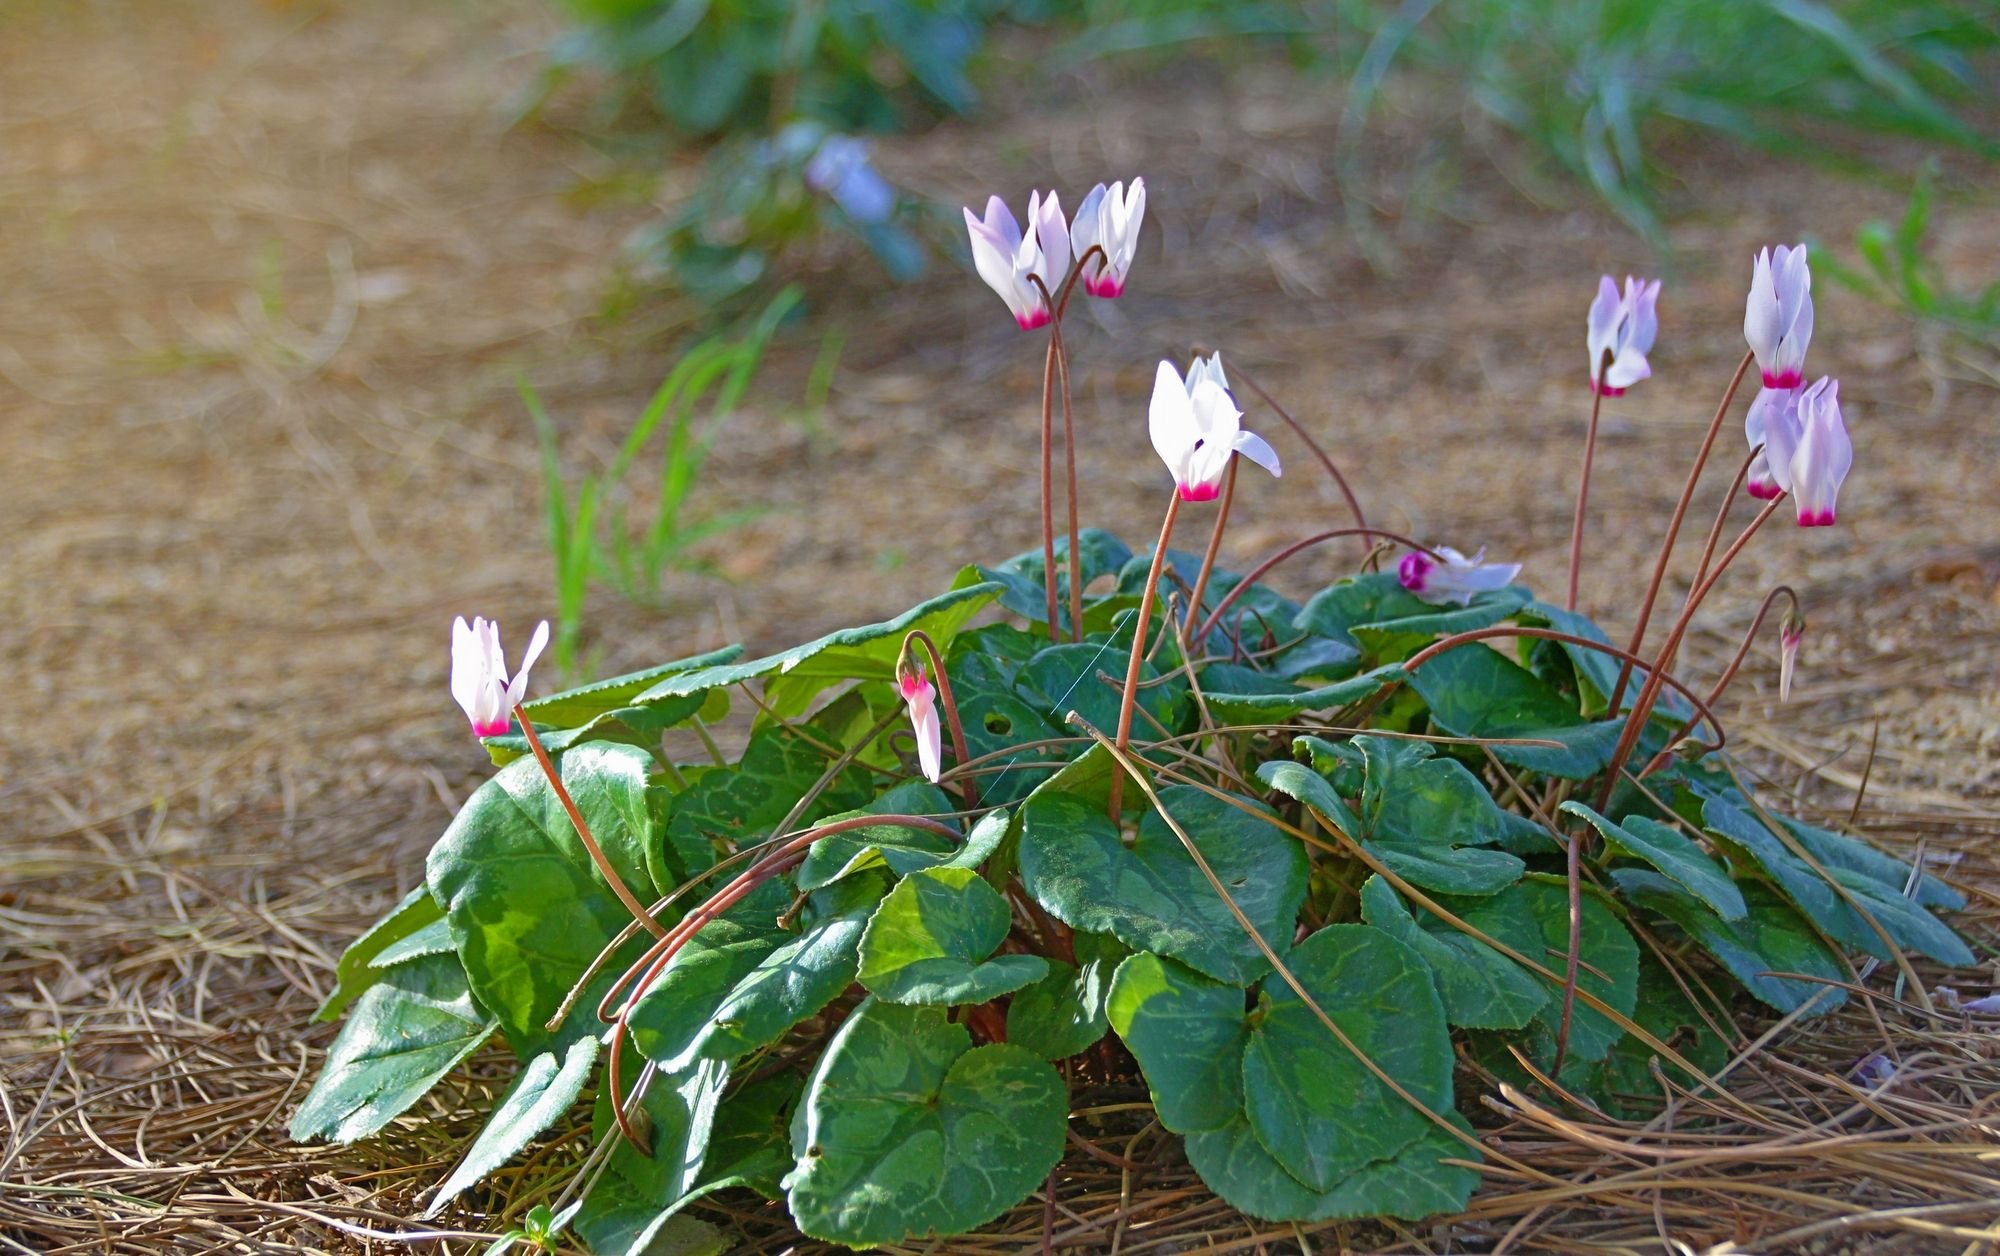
[{"x": 269, "y": 270}]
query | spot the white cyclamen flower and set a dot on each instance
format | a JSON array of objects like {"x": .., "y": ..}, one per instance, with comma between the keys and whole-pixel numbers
[
  {"x": 1196, "y": 429},
  {"x": 1457, "y": 579},
  {"x": 1108, "y": 219},
  {"x": 1011, "y": 262},
  {"x": 1624, "y": 327},
  {"x": 920, "y": 696},
  {"x": 1807, "y": 452},
  {"x": 479, "y": 673},
  {"x": 1778, "y": 317}
]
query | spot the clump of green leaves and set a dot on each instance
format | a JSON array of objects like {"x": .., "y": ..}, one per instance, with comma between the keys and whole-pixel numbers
[
  {"x": 1294, "y": 928},
  {"x": 590, "y": 533},
  {"x": 1897, "y": 270}
]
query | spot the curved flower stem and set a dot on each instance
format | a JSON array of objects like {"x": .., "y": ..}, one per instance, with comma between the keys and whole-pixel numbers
[
  {"x": 1048, "y": 488},
  {"x": 1728, "y": 673},
  {"x": 1214, "y": 544},
  {"x": 1715, "y": 529},
  {"x": 1674, "y": 530},
  {"x": 1636, "y": 720},
  {"x": 1243, "y": 585},
  {"x": 1583, "y": 487},
  {"x": 958, "y": 745},
  {"x": 596, "y": 852},
  {"x": 646, "y": 970},
  {"x": 1124, "y": 738},
  {"x": 1340, "y": 481}
]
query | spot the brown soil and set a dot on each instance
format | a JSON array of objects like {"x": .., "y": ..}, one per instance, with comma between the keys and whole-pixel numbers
[{"x": 270, "y": 271}]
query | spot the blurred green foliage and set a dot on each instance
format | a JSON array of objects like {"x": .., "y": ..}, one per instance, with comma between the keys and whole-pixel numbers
[
  {"x": 1603, "y": 91},
  {"x": 1897, "y": 270}
]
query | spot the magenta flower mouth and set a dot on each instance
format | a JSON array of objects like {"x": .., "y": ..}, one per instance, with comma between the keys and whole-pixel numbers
[
  {"x": 1038, "y": 318},
  {"x": 1784, "y": 379},
  {"x": 1605, "y": 390},
  {"x": 1200, "y": 492},
  {"x": 1812, "y": 519},
  {"x": 492, "y": 728},
  {"x": 1764, "y": 492}
]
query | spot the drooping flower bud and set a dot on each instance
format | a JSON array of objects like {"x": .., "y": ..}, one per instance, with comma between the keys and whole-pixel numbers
[
  {"x": 1791, "y": 632},
  {"x": 921, "y": 698}
]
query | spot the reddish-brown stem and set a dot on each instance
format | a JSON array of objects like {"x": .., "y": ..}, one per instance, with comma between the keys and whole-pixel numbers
[
  {"x": 1145, "y": 613},
  {"x": 1573, "y": 872},
  {"x": 604, "y": 868},
  {"x": 1715, "y": 529},
  {"x": 1728, "y": 673},
  {"x": 1214, "y": 542},
  {"x": 958, "y": 745},
  {"x": 1636, "y": 720},
  {"x": 1583, "y": 487},
  {"x": 1429, "y": 652},
  {"x": 1674, "y": 530},
  {"x": 1243, "y": 585},
  {"x": 1340, "y": 481}
]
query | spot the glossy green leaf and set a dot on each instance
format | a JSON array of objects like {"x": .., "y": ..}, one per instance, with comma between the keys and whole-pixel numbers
[
  {"x": 1414, "y": 1184},
  {"x": 867, "y": 653},
  {"x": 1273, "y": 703},
  {"x": 900, "y": 850},
  {"x": 1625, "y": 1082},
  {"x": 433, "y": 939},
  {"x": 1672, "y": 853},
  {"x": 929, "y": 940},
  {"x": 1532, "y": 916},
  {"x": 355, "y": 972},
  {"x": 1314, "y": 1105},
  {"x": 1412, "y": 796},
  {"x": 1188, "y": 1034},
  {"x": 1468, "y": 870},
  {"x": 401, "y": 1035},
  {"x": 1152, "y": 896},
  {"x": 1296, "y": 780},
  {"x": 632, "y": 1208},
  {"x": 528, "y": 909},
  {"x": 1102, "y": 554},
  {"x": 726, "y": 1009},
  {"x": 540, "y": 1094},
  {"x": 574, "y": 708},
  {"x": 1479, "y": 987},
  {"x": 1473, "y": 691},
  {"x": 1768, "y": 938},
  {"x": 908, "y": 1130},
  {"x": 1063, "y": 1013},
  {"x": 1834, "y": 850},
  {"x": 750, "y": 1145}
]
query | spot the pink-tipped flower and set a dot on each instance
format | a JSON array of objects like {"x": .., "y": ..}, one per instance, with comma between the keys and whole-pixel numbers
[
  {"x": 479, "y": 673},
  {"x": 1108, "y": 219},
  {"x": 1625, "y": 327},
  {"x": 1778, "y": 318},
  {"x": 1457, "y": 579},
  {"x": 1807, "y": 450},
  {"x": 1011, "y": 262},
  {"x": 921, "y": 698},
  {"x": 1196, "y": 429},
  {"x": 1791, "y": 633}
]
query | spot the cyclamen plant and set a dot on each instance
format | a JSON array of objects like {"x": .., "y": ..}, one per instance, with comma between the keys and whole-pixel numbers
[{"x": 1298, "y": 865}]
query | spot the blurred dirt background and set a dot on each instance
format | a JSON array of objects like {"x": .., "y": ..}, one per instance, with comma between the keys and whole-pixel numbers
[{"x": 268, "y": 273}]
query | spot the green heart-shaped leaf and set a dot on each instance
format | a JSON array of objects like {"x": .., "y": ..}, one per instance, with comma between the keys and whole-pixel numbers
[
  {"x": 1065, "y": 678},
  {"x": 1480, "y": 987},
  {"x": 906, "y": 1132},
  {"x": 541, "y": 1093},
  {"x": 1411, "y": 796},
  {"x": 1153, "y": 897},
  {"x": 356, "y": 970},
  {"x": 1315, "y": 1106},
  {"x": 632, "y": 1208},
  {"x": 1270, "y": 702},
  {"x": 1470, "y": 870},
  {"x": 1769, "y": 938},
  {"x": 743, "y": 803},
  {"x": 927, "y": 941},
  {"x": 1187, "y": 1033},
  {"x": 1474, "y": 692},
  {"x": 1414, "y": 1184}
]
